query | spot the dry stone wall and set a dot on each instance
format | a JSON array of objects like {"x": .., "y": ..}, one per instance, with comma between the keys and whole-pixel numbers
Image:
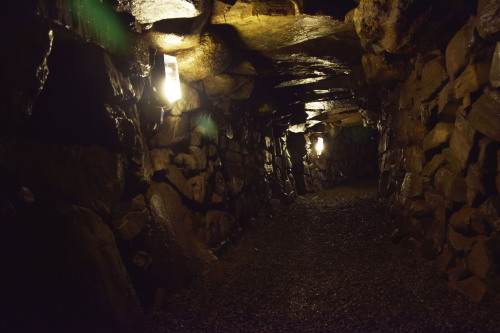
[
  {"x": 440, "y": 143},
  {"x": 110, "y": 195}
]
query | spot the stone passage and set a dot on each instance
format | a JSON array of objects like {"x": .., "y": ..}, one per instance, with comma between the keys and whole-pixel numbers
[{"x": 322, "y": 264}]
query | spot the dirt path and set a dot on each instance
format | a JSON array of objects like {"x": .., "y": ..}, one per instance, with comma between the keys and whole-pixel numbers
[{"x": 322, "y": 264}]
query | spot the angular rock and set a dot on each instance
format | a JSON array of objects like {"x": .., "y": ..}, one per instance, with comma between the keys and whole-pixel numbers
[
  {"x": 488, "y": 20},
  {"x": 495, "y": 67},
  {"x": 161, "y": 158},
  {"x": 434, "y": 77},
  {"x": 489, "y": 211},
  {"x": 172, "y": 131},
  {"x": 479, "y": 260},
  {"x": 379, "y": 71},
  {"x": 431, "y": 167},
  {"x": 460, "y": 47},
  {"x": 458, "y": 241},
  {"x": 485, "y": 114},
  {"x": 436, "y": 233},
  {"x": 217, "y": 226},
  {"x": 461, "y": 144},
  {"x": 439, "y": 135},
  {"x": 451, "y": 184},
  {"x": 189, "y": 101},
  {"x": 200, "y": 188},
  {"x": 461, "y": 219},
  {"x": 134, "y": 219},
  {"x": 474, "y": 288},
  {"x": 473, "y": 78},
  {"x": 171, "y": 242},
  {"x": 149, "y": 11},
  {"x": 478, "y": 184},
  {"x": 209, "y": 57},
  {"x": 412, "y": 185},
  {"x": 175, "y": 177},
  {"x": 447, "y": 105},
  {"x": 200, "y": 156},
  {"x": 413, "y": 159}
]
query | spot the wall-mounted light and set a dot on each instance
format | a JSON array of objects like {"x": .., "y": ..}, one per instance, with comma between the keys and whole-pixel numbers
[
  {"x": 319, "y": 146},
  {"x": 172, "y": 85}
]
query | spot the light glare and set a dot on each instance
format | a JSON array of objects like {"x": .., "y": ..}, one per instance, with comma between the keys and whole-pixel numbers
[
  {"x": 319, "y": 146},
  {"x": 172, "y": 85}
]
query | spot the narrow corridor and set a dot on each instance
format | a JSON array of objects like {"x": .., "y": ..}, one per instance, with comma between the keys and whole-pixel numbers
[{"x": 322, "y": 264}]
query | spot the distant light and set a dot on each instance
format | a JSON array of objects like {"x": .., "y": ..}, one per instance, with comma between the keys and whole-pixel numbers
[
  {"x": 319, "y": 146},
  {"x": 172, "y": 84}
]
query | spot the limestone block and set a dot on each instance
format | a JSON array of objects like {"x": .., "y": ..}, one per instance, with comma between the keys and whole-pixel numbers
[
  {"x": 243, "y": 68},
  {"x": 149, "y": 11},
  {"x": 176, "y": 252},
  {"x": 439, "y": 135},
  {"x": 488, "y": 20},
  {"x": 485, "y": 114},
  {"x": 161, "y": 158},
  {"x": 437, "y": 231},
  {"x": 189, "y": 101},
  {"x": 479, "y": 260},
  {"x": 219, "y": 84},
  {"x": 413, "y": 159},
  {"x": 210, "y": 57},
  {"x": 132, "y": 219},
  {"x": 200, "y": 188},
  {"x": 447, "y": 105},
  {"x": 172, "y": 131},
  {"x": 379, "y": 71},
  {"x": 478, "y": 184},
  {"x": 412, "y": 185},
  {"x": 434, "y": 77},
  {"x": 460, "y": 47},
  {"x": 176, "y": 177},
  {"x": 457, "y": 241},
  {"x": 415, "y": 131},
  {"x": 92, "y": 259},
  {"x": 495, "y": 67},
  {"x": 474, "y": 288},
  {"x": 200, "y": 156},
  {"x": 473, "y": 78},
  {"x": 186, "y": 160},
  {"x": 489, "y": 211},
  {"x": 461, "y": 143},
  {"x": 451, "y": 184},
  {"x": 461, "y": 219},
  {"x": 431, "y": 167}
]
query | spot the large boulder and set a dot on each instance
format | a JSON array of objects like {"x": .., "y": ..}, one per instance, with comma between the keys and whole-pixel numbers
[
  {"x": 149, "y": 11},
  {"x": 488, "y": 20}
]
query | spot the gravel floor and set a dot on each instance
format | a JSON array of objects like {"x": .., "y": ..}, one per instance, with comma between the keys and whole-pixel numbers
[{"x": 322, "y": 264}]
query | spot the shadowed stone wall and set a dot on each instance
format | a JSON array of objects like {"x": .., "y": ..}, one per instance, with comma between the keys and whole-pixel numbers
[{"x": 439, "y": 147}]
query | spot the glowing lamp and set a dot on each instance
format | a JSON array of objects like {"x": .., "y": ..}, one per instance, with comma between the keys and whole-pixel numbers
[
  {"x": 172, "y": 84},
  {"x": 319, "y": 146}
]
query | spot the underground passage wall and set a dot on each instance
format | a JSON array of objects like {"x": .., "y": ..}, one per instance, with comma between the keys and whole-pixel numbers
[{"x": 112, "y": 197}]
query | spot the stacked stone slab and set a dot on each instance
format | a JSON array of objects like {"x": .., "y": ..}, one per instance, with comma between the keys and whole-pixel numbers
[{"x": 440, "y": 141}]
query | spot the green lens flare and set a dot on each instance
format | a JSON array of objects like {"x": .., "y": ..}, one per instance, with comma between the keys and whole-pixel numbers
[
  {"x": 207, "y": 127},
  {"x": 102, "y": 23}
]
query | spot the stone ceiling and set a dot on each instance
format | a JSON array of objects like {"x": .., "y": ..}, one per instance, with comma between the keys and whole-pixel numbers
[{"x": 304, "y": 51}]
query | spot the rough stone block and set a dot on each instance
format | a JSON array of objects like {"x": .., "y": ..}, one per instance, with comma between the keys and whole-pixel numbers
[
  {"x": 379, "y": 71},
  {"x": 460, "y": 48},
  {"x": 474, "y": 288},
  {"x": 495, "y": 67},
  {"x": 461, "y": 143},
  {"x": 457, "y": 241},
  {"x": 488, "y": 20},
  {"x": 485, "y": 114},
  {"x": 200, "y": 188},
  {"x": 479, "y": 259},
  {"x": 161, "y": 158},
  {"x": 489, "y": 211},
  {"x": 431, "y": 167},
  {"x": 172, "y": 131},
  {"x": 447, "y": 105},
  {"x": 439, "y": 135},
  {"x": 413, "y": 159},
  {"x": 189, "y": 101},
  {"x": 473, "y": 78},
  {"x": 461, "y": 219},
  {"x": 451, "y": 184},
  {"x": 433, "y": 78},
  {"x": 445, "y": 260},
  {"x": 131, "y": 222},
  {"x": 412, "y": 185},
  {"x": 176, "y": 177}
]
